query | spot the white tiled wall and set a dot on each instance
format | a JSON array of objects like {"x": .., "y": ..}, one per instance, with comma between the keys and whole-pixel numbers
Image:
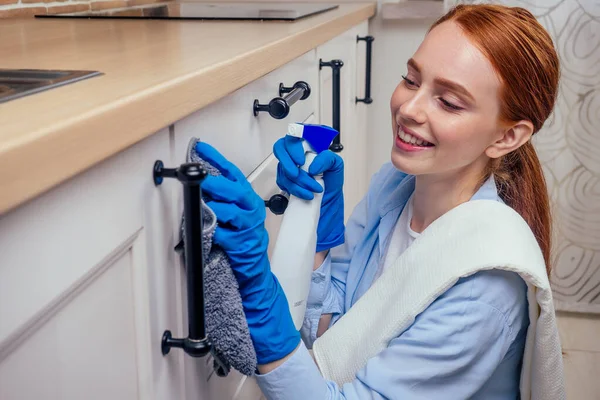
[{"x": 580, "y": 338}]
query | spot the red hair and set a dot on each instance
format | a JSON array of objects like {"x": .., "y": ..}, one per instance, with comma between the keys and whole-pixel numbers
[{"x": 524, "y": 58}]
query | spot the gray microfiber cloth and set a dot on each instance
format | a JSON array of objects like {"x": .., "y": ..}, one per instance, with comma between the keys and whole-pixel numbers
[{"x": 226, "y": 323}]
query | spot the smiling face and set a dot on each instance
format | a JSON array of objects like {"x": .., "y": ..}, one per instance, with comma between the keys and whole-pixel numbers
[{"x": 450, "y": 99}]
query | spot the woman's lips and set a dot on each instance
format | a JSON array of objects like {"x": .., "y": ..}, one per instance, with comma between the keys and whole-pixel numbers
[{"x": 406, "y": 140}]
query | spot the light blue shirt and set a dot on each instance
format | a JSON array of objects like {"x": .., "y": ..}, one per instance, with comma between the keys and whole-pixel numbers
[{"x": 468, "y": 344}]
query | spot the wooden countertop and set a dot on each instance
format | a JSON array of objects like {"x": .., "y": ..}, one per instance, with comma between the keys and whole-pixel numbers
[{"x": 155, "y": 73}]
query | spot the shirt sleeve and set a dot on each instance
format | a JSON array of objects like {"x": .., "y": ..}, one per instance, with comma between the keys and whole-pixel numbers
[
  {"x": 328, "y": 283},
  {"x": 453, "y": 347}
]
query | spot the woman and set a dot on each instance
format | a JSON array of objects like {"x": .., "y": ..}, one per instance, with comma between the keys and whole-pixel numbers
[{"x": 483, "y": 81}]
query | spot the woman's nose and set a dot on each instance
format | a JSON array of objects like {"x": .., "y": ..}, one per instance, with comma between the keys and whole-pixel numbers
[{"x": 414, "y": 108}]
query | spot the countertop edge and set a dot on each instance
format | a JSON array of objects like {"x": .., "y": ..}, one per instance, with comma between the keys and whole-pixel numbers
[{"x": 101, "y": 132}]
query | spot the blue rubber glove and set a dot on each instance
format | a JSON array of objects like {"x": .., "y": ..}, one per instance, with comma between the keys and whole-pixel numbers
[
  {"x": 241, "y": 233},
  {"x": 290, "y": 153}
]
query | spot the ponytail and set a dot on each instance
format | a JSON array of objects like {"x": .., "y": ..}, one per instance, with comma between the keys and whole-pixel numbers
[{"x": 521, "y": 185}]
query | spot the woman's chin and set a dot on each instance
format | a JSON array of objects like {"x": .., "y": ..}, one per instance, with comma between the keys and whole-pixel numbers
[{"x": 402, "y": 164}]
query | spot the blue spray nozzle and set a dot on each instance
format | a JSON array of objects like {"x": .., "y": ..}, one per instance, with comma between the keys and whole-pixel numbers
[{"x": 319, "y": 137}]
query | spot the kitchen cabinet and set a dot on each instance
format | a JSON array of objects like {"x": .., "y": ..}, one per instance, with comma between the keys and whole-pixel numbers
[
  {"x": 89, "y": 279},
  {"x": 353, "y": 114},
  {"x": 88, "y": 284}
]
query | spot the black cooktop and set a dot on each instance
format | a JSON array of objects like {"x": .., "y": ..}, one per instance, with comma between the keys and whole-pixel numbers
[{"x": 207, "y": 11}]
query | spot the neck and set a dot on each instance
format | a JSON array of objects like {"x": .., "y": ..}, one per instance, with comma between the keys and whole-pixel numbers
[{"x": 437, "y": 194}]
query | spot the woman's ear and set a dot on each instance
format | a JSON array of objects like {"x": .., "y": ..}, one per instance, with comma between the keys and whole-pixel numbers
[{"x": 511, "y": 139}]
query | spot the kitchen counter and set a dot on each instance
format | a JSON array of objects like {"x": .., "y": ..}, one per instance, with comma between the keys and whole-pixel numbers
[{"x": 155, "y": 73}]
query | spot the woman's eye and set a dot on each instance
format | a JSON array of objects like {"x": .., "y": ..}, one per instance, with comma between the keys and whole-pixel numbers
[
  {"x": 450, "y": 105},
  {"x": 408, "y": 81}
]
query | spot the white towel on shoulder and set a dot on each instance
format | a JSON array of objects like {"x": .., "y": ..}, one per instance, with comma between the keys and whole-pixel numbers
[{"x": 477, "y": 235}]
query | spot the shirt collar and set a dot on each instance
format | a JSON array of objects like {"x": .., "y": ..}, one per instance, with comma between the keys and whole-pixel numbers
[
  {"x": 487, "y": 191},
  {"x": 406, "y": 186}
]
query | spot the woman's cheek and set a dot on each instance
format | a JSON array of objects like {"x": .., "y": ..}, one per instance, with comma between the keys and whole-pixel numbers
[{"x": 451, "y": 129}]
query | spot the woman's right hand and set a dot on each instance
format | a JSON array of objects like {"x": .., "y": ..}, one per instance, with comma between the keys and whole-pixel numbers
[{"x": 291, "y": 178}]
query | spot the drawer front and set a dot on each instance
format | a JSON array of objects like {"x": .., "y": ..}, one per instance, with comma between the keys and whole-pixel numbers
[{"x": 231, "y": 127}]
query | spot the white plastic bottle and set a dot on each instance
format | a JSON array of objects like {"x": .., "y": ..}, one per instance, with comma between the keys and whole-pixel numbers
[{"x": 294, "y": 252}]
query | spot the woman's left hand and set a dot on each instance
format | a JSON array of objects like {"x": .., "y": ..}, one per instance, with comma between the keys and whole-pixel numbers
[
  {"x": 240, "y": 216},
  {"x": 242, "y": 234}
]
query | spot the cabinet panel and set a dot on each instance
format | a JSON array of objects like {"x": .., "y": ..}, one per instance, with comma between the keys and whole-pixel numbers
[{"x": 86, "y": 349}]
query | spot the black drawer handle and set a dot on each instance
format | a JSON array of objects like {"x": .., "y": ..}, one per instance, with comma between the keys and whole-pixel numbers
[
  {"x": 279, "y": 107},
  {"x": 197, "y": 343},
  {"x": 336, "y": 66},
  {"x": 277, "y": 203},
  {"x": 369, "y": 40}
]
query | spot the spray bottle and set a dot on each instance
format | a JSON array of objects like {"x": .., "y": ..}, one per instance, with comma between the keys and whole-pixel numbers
[{"x": 294, "y": 252}]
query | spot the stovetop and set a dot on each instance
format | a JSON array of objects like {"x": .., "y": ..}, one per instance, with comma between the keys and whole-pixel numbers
[{"x": 207, "y": 11}]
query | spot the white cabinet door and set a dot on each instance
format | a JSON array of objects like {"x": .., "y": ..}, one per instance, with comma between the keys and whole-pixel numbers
[
  {"x": 352, "y": 115},
  {"x": 88, "y": 285}
]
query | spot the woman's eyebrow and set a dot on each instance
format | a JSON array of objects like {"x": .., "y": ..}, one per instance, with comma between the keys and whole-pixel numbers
[
  {"x": 455, "y": 87},
  {"x": 413, "y": 63},
  {"x": 444, "y": 82}
]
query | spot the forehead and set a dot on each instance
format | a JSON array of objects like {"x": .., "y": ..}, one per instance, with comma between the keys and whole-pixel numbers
[{"x": 447, "y": 53}]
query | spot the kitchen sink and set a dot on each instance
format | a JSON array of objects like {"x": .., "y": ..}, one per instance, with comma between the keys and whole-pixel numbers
[{"x": 15, "y": 83}]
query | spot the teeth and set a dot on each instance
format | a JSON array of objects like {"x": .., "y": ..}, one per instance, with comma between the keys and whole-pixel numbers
[
  {"x": 408, "y": 138},
  {"x": 402, "y": 135},
  {"x": 405, "y": 136}
]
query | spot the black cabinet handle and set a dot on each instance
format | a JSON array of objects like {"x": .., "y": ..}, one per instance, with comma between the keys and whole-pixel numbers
[
  {"x": 197, "y": 343},
  {"x": 369, "y": 40},
  {"x": 279, "y": 107},
  {"x": 277, "y": 203},
  {"x": 300, "y": 85},
  {"x": 336, "y": 66}
]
